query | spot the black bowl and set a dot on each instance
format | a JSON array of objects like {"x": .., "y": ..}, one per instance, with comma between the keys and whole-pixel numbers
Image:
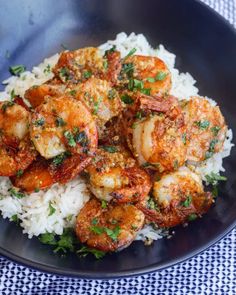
[{"x": 205, "y": 46}]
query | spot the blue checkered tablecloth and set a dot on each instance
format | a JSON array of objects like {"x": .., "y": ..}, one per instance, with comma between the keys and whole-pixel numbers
[{"x": 212, "y": 272}]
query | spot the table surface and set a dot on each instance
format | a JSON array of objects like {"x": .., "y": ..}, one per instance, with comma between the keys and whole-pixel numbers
[{"x": 212, "y": 272}]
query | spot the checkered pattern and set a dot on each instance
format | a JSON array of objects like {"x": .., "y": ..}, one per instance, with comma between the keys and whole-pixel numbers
[{"x": 212, "y": 272}]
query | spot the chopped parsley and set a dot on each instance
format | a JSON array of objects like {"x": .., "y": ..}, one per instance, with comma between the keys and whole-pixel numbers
[
  {"x": 58, "y": 160},
  {"x": 15, "y": 218},
  {"x": 19, "y": 173},
  {"x": 84, "y": 251},
  {"x": 67, "y": 242},
  {"x": 151, "y": 80},
  {"x": 64, "y": 73},
  {"x": 7, "y": 105},
  {"x": 202, "y": 124},
  {"x": 97, "y": 229},
  {"x": 111, "y": 50},
  {"x": 17, "y": 70},
  {"x": 105, "y": 64},
  {"x": 139, "y": 115},
  {"x": 138, "y": 85},
  {"x": 36, "y": 190},
  {"x": 187, "y": 202},
  {"x": 13, "y": 95},
  {"x": 60, "y": 122},
  {"x": 184, "y": 135},
  {"x": 73, "y": 92},
  {"x": 211, "y": 149},
  {"x": 64, "y": 243},
  {"x": 70, "y": 138},
  {"x": 192, "y": 217},
  {"x": 96, "y": 106},
  {"x": 215, "y": 130},
  {"x": 214, "y": 178},
  {"x": 39, "y": 122},
  {"x": 111, "y": 94},
  {"x": 104, "y": 204},
  {"x": 94, "y": 221},
  {"x": 109, "y": 148},
  {"x": 128, "y": 69},
  {"x": 47, "y": 70},
  {"x": 82, "y": 138},
  {"x": 152, "y": 204},
  {"x": 87, "y": 74},
  {"x": 52, "y": 210},
  {"x": 131, "y": 52},
  {"x": 127, "y": 99},
  {"x": 161, "y": 76},
  {"x": 15, "y": 193},
  {"x": 112, "y": 233}
]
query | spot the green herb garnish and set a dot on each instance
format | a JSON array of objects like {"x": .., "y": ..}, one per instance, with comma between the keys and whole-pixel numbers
[
  {"x": 131, "y": 52},
  {"x": 47, "y": 70},
  {"x": 94, "y": 221},
  {"x": 73, "y": 92},
  {"x": 109, "y": 148},
  {"x": 19, "y": 173},
  {"x": 58, "y": 160},
  {"x": 82, "y": 138},
  {"x": 12, "y": 94},
  {"x": 104, "y": 204},
  {"x": 84, "y": 251},
  {"x": 111, "y": 94},
  {"x": 161, "y": 76},
  {"x": 60, "y": 122},
  {"x": 15, "y": 193},
  {"x": 7, "y": 105},
  {"x": 213, "y": 178},
  {"x": 70, "y": 138},
  {"x": 184, "y": 135},
  {"x": 187, "y": 202},
  {"x": 64, "y": 73},
  {"x": 17, "y": 70},
  {"x": 152, "y": 204},
  {"x": 111, "y": 50},
  {"x": 112, "y": 233},
  {"x": 202, "y": 124},
  {"x": 127, "y": 99},
  {"x": 192, "y": 217},
  {"x": 52, "y": 210},
  {"x": 39, "y": 122},
  {"x": 215, "y": 130},
  {"x": 87, "y": 74}
]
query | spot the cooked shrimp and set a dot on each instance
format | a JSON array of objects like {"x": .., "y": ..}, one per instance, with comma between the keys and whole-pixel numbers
[
  {"x": 79, "y": 65},
  {"x": 108, "y": 229},
  {"x": 36, "y": 94},
  {"x": 177, "y": 198},
  {"x": 158, "y": 139},
  {"x": 36, "y": 177},
  {"x": 206, "y": 129},
  {"x": 146, "y": 73},
  {"x": 62, "y": 124},
  {"x": 16, "y": 150},
  {"x": 101, "y": 99},
  {"x": 114, "y": 175}
]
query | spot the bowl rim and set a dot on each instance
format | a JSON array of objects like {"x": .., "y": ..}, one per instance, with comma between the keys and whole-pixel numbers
[{"x": 137, "y": 271}]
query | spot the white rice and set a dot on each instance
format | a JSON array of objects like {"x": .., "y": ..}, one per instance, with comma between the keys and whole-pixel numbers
[{"x": 67, "y": 200}]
